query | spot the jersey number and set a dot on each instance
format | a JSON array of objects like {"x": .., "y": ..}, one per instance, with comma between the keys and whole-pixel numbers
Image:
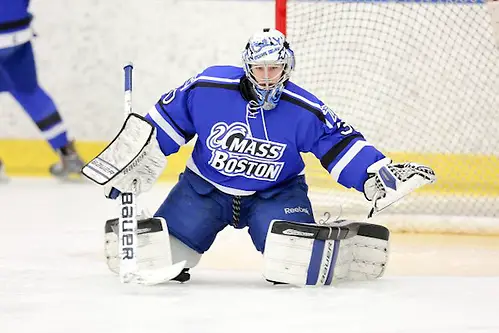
[{"x": 346, "y": 128}]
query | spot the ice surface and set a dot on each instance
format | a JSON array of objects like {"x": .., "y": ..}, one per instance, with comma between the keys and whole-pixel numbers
[{"x": 53, "y": 279}]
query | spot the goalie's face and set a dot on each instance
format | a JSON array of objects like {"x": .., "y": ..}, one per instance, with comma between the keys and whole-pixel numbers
[
  {"x": 267, "y": 75},
  {"x": 268, "y": 62}
]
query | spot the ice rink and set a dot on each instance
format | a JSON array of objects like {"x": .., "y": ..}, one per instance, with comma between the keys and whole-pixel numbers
[{"x": 53, "y": 279}]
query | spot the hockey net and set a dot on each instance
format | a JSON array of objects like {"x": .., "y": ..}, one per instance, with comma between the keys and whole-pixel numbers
[{"x": 420, "y": 80}]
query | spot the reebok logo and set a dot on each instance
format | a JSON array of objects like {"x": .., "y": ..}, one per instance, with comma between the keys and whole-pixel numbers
[{"x": 296, "y": 210}]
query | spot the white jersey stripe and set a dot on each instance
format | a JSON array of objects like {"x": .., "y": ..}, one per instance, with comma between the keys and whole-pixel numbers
[
  {"x": 210, "y": 78},
  {"x": 166, "y": 127},
  {"x": 54, "y": 131},
  {"x": 303, "y": 99},
  {"x": 347, "y": 158},
  {"x": 228, "y": 190}
]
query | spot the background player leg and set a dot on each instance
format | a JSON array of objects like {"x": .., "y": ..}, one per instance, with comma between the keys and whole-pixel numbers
[
  {"x": 5, "y": 85},
  {"x": 19, "y": 66},
  {"x": 3, "y": 177}
]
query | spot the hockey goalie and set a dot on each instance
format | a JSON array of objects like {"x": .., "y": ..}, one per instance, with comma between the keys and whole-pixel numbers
[{"x": 252, "y": 123}]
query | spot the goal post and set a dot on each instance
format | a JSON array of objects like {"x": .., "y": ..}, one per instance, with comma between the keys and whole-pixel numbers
[{"x": 420, "y": 80}]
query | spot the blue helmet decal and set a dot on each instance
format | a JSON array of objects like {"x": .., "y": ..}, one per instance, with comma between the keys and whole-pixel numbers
[{"x": 268, "y": 49}]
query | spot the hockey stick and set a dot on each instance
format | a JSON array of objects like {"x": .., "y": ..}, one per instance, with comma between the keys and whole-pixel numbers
[
  {"x": 127, "y": 224},
  {"x": 128, "y": 207}
]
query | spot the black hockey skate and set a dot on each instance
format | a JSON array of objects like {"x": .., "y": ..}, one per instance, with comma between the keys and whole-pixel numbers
[
  {"x": 70, "y": 164},
  {"x": 184, "y": 276}
]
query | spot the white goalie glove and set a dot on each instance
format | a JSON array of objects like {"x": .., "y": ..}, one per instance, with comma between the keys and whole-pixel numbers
[
  {"x": 132, "y": 162},
  {"x": 389, "y": 182}
]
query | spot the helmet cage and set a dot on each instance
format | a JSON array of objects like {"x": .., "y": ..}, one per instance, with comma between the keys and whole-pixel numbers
[{"x": 268, "y": 50}]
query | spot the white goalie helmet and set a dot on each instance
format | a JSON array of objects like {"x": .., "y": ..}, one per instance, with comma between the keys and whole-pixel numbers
[{"x": 268, "y": 53}]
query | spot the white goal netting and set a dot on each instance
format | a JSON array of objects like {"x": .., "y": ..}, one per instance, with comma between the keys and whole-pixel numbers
[{"x": 420, "y": 80}]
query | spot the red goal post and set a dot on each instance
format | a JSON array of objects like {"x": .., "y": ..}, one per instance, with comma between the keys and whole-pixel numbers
[{"x": 280, "y": 15}]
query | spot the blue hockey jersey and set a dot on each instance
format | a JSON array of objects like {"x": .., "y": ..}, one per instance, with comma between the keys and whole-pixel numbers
[
  {"x": 14, "y": 15},
  {"x": 241, "y": 149}
]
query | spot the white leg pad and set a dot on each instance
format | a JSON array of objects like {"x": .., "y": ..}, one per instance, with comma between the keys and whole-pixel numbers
[
  {"x": 294, "y": 255},
  {"x": 156, "y": 249},
  {"x": 361, "y": 258},
  {"x": 311, "y": 254}
]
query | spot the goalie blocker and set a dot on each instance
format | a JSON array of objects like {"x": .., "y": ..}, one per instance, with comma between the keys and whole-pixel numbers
[{"x": 313, "y": 254}]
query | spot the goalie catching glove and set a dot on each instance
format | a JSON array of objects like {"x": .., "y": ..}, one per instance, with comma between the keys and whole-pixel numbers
[
  {"x": 132, "y": 162},
  {"x": 389, "y": 182}
]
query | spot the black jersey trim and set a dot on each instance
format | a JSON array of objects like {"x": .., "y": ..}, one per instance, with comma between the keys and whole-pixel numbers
[
  {"x": 16, "y": 24},
  {"x": 337, "y": 149},
  {"x": 246, "y": 89},
  {"x": 205, "y": 84},
  {"x": 186, "y": 135},
  {"x": 49, "y": 121}
]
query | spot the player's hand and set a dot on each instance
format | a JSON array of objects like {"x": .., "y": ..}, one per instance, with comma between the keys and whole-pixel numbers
[
  {"x": 391, "y": 182},
  {"x": 397, "y": 177}
]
